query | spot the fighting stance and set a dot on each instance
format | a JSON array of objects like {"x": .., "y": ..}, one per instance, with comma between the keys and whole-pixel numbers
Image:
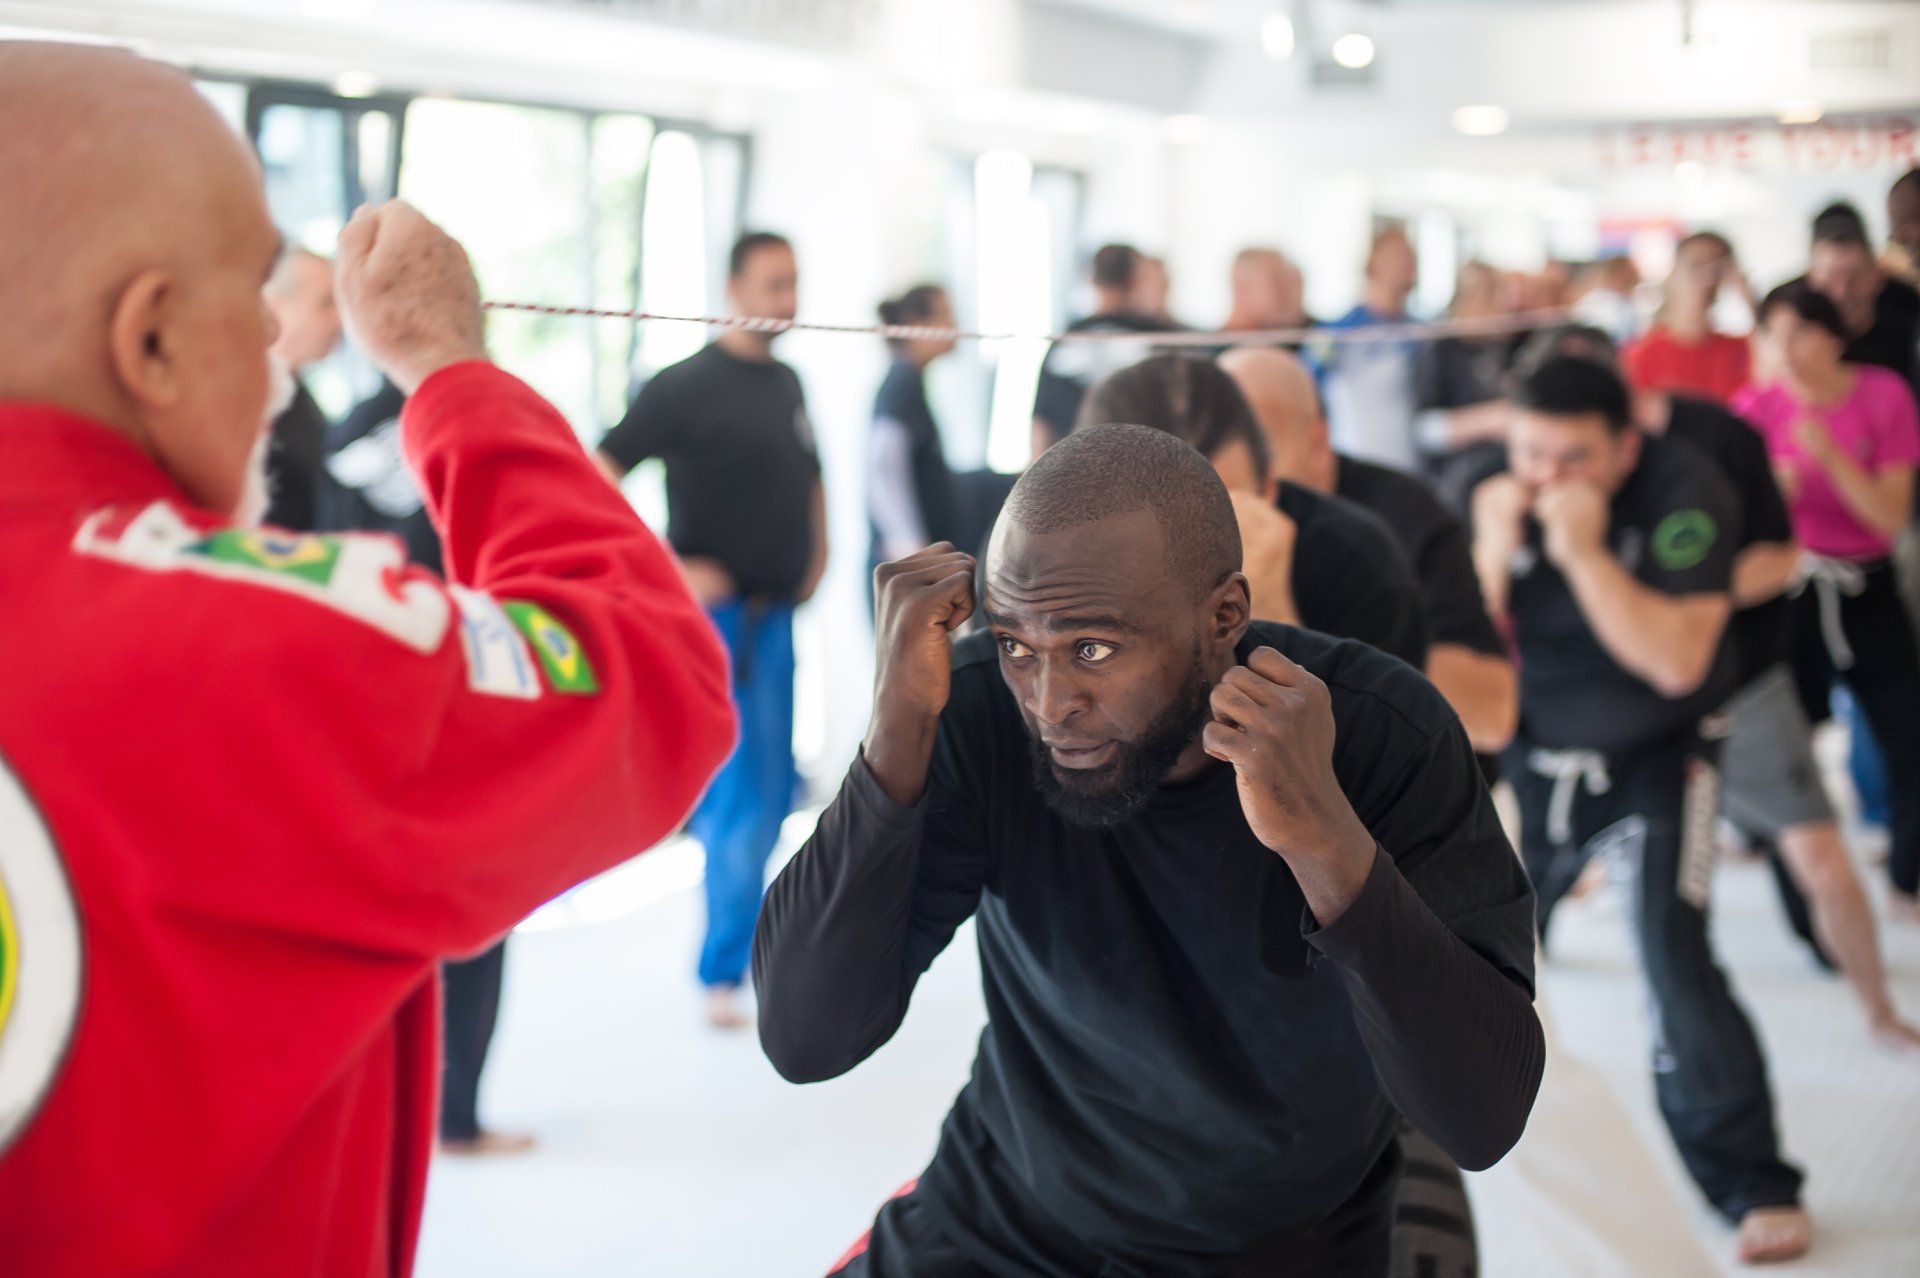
[
  {"x": 258, "y": 784},
  {"x": 1248, "y": 904},
  {"x": 1612, "y": 555}
]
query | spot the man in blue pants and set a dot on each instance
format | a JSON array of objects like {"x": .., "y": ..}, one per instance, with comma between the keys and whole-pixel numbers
[{"x": 746, "y": 515}]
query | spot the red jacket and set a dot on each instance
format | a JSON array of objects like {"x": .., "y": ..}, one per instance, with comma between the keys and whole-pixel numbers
[{"x": 256, "y": 785}]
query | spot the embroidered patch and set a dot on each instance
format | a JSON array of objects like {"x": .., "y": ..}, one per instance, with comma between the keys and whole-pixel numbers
[
  {"x": 40, "y": 965},
  {"x": 359, "y": 576},
  {"x": 1682, "y": 539},
  {"x": 499, "y": 663},
  {"x": 560, "y": 654}
]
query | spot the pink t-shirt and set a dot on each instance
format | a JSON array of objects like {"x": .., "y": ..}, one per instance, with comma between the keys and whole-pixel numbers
[{"x": 1877, "y": 426}]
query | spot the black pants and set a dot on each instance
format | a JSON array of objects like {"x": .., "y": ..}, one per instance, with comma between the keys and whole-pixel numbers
[
  {"x": 1653, "y": 810},
  {"x": 1354, "y": 1242},
  {"x": 470, "y": 1006},
  {"x": 1885, "y": 679}
]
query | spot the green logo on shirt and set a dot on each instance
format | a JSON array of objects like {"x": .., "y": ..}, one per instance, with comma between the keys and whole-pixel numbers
[
  {"x": 1683, "y": 539},
  {"x": 558, "y": 652}
]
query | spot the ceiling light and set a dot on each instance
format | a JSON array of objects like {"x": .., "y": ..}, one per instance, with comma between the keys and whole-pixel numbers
[
  {"x": 335, "y": 10},
  {"x": 1800, "y": 111},
  {"x": 1276, "y": 36},
  {"x": 356, "y": 84},
  {"x": 1353, "y": 51},
  {"x": 1480, "y": 121}
]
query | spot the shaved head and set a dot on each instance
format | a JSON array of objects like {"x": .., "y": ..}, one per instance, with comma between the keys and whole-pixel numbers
[
  {"x": 1286, "y": 403},
  {"x": 134, "y": 240},
  {"x": 1105, "y": 471}
]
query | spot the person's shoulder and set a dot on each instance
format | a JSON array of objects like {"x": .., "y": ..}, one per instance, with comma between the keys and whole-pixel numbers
[
  {"x": 1364, "y": 683},
  {"x": 1328, "y": 518},
  {"x": 1679, "y": 472},
  {"x": 1900, "y": 296},
  {"x": 1881, "y": 383},
  {"x": 1376, "y": 487}
]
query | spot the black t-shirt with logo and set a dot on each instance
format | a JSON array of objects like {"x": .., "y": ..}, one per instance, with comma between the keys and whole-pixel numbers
[
  {"x": 741, "y": 465},
  {"x": 1761, "y": 635},
  {"x": 1350, "y": 577},
  {"x": 1435, "y": 542},
  {"x": 1675, "y": 526}
]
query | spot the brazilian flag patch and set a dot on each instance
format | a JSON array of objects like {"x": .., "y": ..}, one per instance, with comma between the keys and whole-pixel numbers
[
  {"x": 290, "y": 554},
  {"x": 1682, "y": 539},
  {"x": 554, "y": 646}
]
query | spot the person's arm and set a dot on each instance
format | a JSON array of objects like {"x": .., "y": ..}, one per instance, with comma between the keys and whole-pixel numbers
[
  {"x": 1669, "y": 640},
  {"x": 1483, "y": 690},
  {"x": 1763, "y": 572},
  {"x": 891, "y": 498},
  {"x": 1882, "y": 499},
  {"x": 454, "y": 755},
  {"x": 817, "y": 530},
  {"x": 896, "y": 863},
  {"x": 1438, "y": 976}
]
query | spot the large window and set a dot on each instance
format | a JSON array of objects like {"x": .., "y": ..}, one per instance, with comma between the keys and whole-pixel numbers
[
  {"x": 554, "y": 205},
  {"x": 1012, "y": 254}
]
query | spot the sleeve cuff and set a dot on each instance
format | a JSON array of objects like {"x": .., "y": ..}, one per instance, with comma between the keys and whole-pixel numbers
[
  {"x": 1348, "y": 937},
  {"x": 863, "y": 789}
]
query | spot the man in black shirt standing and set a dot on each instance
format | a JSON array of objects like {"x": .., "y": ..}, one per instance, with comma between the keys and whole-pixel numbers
[
  {"x": 300, "y": 295},
  {"x": 1466, "y": 660},
  {"x": 747, "y": 517},
  {"x": 1612, "y": 555},
  {"x": 1882, "y": 313},
  {"x": 1247, "y": 904},
  {"x": 1071, "y": 368},
  {"x": 1311, "y": 559}
]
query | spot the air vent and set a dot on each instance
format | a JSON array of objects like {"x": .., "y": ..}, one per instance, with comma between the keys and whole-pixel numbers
[{"x": 1855, "y": 49}]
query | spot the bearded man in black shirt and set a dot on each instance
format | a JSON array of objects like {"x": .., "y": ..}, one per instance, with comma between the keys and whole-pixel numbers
[
  {"x": 1612, "y": 554},
  {"x": 1241, "y": 900}
]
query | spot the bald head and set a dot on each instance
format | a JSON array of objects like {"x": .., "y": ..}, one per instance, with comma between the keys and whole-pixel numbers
[
  {"x": 300, "y": 295},
  {"x": 1268, "y": 291},
  {"x": 134, "y": 241},
  {"x": 1286, "y": 403}
]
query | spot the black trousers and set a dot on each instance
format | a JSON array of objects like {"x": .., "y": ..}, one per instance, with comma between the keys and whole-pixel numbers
[
  {"x": 470, "y": 1006},
  {"x": 1354, "y": 1242},
  {"x": 1884, "y": 678},
  {"x": 1652, "y": 810}
]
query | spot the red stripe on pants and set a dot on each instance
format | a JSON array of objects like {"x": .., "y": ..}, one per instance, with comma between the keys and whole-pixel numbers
[{"x": 859, "y": 1249}]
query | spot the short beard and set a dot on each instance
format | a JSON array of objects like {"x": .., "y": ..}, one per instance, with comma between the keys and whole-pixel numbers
[{"x": 1116, "y": 791}]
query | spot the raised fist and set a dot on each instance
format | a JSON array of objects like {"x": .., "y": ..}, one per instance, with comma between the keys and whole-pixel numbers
[{"x": 407, "y": 294}]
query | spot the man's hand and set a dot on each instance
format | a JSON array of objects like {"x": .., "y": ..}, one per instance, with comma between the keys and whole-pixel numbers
[
  {"x": 1499, "y": 505},
  {"x": 919, "y": 602},
  {"x": 1815, "y": 440},
  {"x": 709, "y": 580},
  {"x": 407, "y": 294},
  {"x": 1273, "y": 721},
  {"x": 1574, "y": 518},
  {"x": 1267, "y": 536}
]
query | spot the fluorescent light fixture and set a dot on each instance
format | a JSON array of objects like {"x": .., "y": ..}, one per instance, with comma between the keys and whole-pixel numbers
[
  {"x": 356, "y": 84},
  {"x": 1800, "y": 111},
  {"x": 1353, "y": 51},
  {"x": 335, "y": 10},
  {"x": 1185, "y": 130},
  {"x": 1483, "y": 120},
  {"x": 1276, "y": 36}
]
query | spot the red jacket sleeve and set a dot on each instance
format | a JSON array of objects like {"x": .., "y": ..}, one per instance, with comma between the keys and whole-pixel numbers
[{"x": 420, "y": 763}]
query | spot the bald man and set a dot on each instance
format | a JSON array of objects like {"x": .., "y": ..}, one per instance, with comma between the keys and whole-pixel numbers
[
  {"x": 254, "y": 785},
  {"x": 1268, "y": 292},
  {"x": 1466, "y": 659},
  {"x": 300, "y": 295}
]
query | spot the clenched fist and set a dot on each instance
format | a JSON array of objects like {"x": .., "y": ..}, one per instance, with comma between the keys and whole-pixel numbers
[
  {"x": 1273, "y": 721},
  {"x": 1573, "y": 516},
  {"x": 919, "y": 602},
  {"x": 407, "y": 294}
]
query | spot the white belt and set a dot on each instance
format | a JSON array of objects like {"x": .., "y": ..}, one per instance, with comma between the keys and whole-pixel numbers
[
  {"x": 1569, "y": 769},
  {"x": 1830, "y": 579}
]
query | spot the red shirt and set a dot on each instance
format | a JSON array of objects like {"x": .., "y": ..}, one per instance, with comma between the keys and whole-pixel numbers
[
  {"x": 1716, "y": 367},
  {"x": 254, "y": 786}
]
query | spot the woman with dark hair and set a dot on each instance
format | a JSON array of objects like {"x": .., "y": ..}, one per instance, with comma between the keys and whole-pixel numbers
[
  {"x": 911, "y": 500},
  {"x": 1845, "y": 441}
]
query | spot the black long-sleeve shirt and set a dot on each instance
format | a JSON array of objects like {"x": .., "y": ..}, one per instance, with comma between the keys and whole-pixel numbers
[{"x": 1179, "y": 1063}]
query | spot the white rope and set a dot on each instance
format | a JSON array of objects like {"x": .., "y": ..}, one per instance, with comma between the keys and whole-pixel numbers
[
  {"x": 1830, "y": 579},
  {"x": 1491, "y": 326},
  {"x": 1568, "y": 769}
]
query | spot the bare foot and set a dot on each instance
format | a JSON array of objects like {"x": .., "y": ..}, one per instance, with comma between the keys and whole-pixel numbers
[
  {"x": 1902, "y": 907},
  {"x": 1769, "y": 1235},
  {"x": 488, "y": 1145},
  {"x": 724, "y": 1011},
  {"x": 1894, "y": 1035}
]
